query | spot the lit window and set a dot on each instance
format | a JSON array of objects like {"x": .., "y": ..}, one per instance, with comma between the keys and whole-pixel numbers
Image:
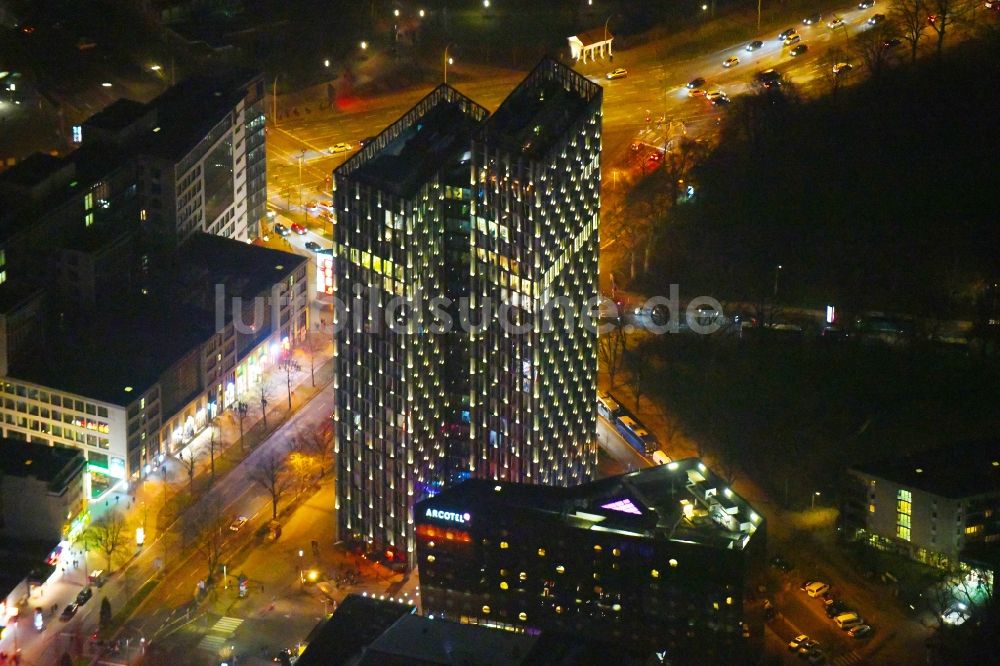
[
  {"x": 522, "y": 576},
  {"x": 597, "y": 548},
  {"x": 616, "y": 552},
  {"x": 672, "y": 562},
  {"x": 88, "y": 219},
  {"x": 973, "y": 529},
  {"x": 486, "y": 610},
  {"x": 560, "y": 569},
  {"x": 504, "y": 545},
  {"x": 504, "y": 585},
  {"x": 522, "y": 616},
  {"x": 541, "y": 552},
  {"x": 431, "y": 558},
  {"x": 871, "y": 508},
  {"x": 729, "y": 601},
  {"x": 715, "y": 605},
  {"x": 655, "y": 573}
]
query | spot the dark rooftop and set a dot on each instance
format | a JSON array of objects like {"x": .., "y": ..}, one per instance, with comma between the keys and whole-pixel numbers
[
  {"x": 32, "y": 170},
  {"x": 137, "y": 339},
  {"x": 424, "y": 144},
  {"x": 187, "y": 111},
  {"x": 118, "y": 114},
  {"x": 14, "y": 293},
  {"x": 958, "y": 470},
  {"x": 419, "y": 640},
  {"x": 118, "y": 356},
  {"x": 245, "y": 269},
  {"x": 680, "y": 501},
  {"x": 539, "y": 111},
  {"x": 356, "y": 623},
  {"x": 53, "y": 465}
]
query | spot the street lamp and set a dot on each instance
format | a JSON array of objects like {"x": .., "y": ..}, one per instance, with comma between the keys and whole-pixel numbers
[
  {"x": 420, "y": 13},
  {"x": 447, "y": 61},
  {"x": 777, "y": 272},
  {"x": 395, "y": 13},
  {"x": 326, "y": 62},
  {"x": 106, "y": 84},
  {"x": 364, "y": 45},
  {"x": 815, "y": 495},
  {"x": 486, "y": 4},
  {"x": 155, "y": 68}
]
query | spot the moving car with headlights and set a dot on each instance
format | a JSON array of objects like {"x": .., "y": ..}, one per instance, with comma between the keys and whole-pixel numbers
[
  {"x": 798, "y": 50},
  {"x": 876, "y": 19},
  {"x": 754, "y": 45},
  {"x": 814, "y": 18},
  {"x": 731, "y": 61},
  {"x": 696, "y": 82},
  {"x": 339, "y": 148},
  {"x": 785, "y": 34},
  {"x": 619, "y": 73},
  {"x": 792, "y": 39},
  {"x": 835, "y": 23},
  {"x": 842, "y": 67}
]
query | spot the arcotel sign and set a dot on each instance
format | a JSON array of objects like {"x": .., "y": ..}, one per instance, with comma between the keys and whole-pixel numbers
[{"x": 448, "y": 516}]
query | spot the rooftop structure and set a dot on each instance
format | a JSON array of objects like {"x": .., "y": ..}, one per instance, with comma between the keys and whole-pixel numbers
[
  {"x": 959, "y": 470},
  {"x": 52, "y": 465}
]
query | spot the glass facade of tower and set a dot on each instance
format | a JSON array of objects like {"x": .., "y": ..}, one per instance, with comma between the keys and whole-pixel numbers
[{"x": 448, "y": 236}]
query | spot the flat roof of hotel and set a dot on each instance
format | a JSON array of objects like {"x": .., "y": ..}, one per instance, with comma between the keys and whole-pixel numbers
[
  {"x": 680, "y": 501},
  {"x": 962, "y": 469}
]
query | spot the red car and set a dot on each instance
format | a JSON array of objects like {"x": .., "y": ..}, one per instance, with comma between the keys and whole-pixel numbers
[
  {"x": 299, "y": 229},
  {"x": 655, "y": 157}
]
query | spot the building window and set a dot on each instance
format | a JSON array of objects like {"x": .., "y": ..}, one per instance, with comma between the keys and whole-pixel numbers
[
  {"x": 973, "y": 529},
  {"x": 904, "y": 509},
  {"x": 871, "y": 508}
]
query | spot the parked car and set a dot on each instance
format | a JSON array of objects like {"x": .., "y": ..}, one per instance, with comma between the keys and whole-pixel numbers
[
  {"x": 860, "y": 631},
  {"x": 847, "y": 620},
  {"x": 299, "y": 229},
  {"x": 793, "y": 645},
  {"x": 808, "y": 646},
  {"x": 68, "y": 612},
  {"x": 835, "y": 608},
  {"x": 280, "y": 229},
  {"x": 312, "y": 246},
  {"x": 754, "y": 45},
  {"x": 816, "y": 656},
  {"x": 876, "y": 19},
  {"x": 85, "y": 594},
  {"x": 339, "y": 148},
  {"x": 806, "y": 583},
  {"x": 238, "y": 523},
  {"x": 98, "y": 577},
  {"x": 619, "y": 73},
  {"x": 769, "y": 78},
  {"x": 731, "y": 61},
  {"x": 799, "y": 50},
  {"x": 817, "y": 589},
  {"x": 814, "y": 18}
]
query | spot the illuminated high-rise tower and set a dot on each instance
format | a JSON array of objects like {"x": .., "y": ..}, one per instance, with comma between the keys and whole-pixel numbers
[{"x": 453, "y": 231}]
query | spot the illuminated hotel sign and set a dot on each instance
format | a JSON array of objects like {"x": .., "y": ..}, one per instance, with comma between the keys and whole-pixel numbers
[{"x": 449, "y": 516}]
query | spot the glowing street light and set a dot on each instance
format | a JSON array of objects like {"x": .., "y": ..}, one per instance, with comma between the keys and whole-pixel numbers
[
  {"x": 420, "y": 13},
  {"x": 106, "y": 84},
  {"x": 486, "y": 4},
  {"x": 364, "y": 46},
  {"x": 704, "y": 8},
  {"x": 395, "y": 13},
  {"x": 326, "y": 62},
  {"x": 156, "y": 68}
]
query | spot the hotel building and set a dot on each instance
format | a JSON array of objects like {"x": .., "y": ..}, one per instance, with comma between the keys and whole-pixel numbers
[{"x": 452, "y": 228}]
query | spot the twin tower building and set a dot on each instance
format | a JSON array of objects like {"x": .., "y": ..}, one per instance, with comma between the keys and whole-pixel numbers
[{"x": 465, "y": 252}]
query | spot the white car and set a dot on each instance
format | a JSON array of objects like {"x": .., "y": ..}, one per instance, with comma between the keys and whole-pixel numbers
[
  {"x": 238, "y": 523},
  {"x": 619, "y": 73},
  {"x": 713, "y": 95},
  {"x": 339, "y": 148},
  {"x": 795, "y": 643},
  {"x": 731, "y": 61}
]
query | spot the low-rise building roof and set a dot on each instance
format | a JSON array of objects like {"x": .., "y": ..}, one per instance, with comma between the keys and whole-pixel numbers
[{"x": 965, "y": 469}]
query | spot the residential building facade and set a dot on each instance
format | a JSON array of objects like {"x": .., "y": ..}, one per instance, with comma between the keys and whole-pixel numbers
[{"x": 929, "y": 506}]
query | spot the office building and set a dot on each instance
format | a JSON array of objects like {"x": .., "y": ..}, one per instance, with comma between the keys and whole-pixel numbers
[
  {"x": 930, "y": 505},
  {"x": 42, "y": 491},
  {"x": 453, "y": 232},
  {"x": 658, "y": 560},
  {"x": 144, "y": 377}
]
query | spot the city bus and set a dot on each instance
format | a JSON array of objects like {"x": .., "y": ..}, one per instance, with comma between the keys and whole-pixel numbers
[{"x": 635, "y": 434}]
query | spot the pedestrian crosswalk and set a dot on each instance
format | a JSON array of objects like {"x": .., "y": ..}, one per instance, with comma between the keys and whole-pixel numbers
[
  {"x": 220, "y": 633},
  {"x": 212, "y": 642},
  {"x": 226, "y": 625},
  {"x": 851, "y": 657}
]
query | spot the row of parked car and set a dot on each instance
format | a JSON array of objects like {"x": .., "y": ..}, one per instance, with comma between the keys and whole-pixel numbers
[{"x": 837, "y": 610}]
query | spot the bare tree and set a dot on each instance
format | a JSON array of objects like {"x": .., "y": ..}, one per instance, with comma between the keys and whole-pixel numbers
[
  {"x": 874, "y": 46},
  {"x": 189, "y": 463},
  {"x": 611, "y": 349},
  {"x": 108, "y": 535},
  {"x": 289, "y": 366},
  {"x": 943, "y": 14},
  {"x": 213, "y": 442},
  {"x": 318, "y": 444},
  {"x": 269, "y": 473},
  {"x": 265, "y": 393},
  {"x": 834, "y": 75},
  {"x": 311, "y": 347},
  {"x": 241, "y": 408},
  {"x": 204, "y": 526},
  {"x": 911, "y": 18}
]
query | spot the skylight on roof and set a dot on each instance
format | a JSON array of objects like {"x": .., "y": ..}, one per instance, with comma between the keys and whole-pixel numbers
[{"x": 623, "y": 505}]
